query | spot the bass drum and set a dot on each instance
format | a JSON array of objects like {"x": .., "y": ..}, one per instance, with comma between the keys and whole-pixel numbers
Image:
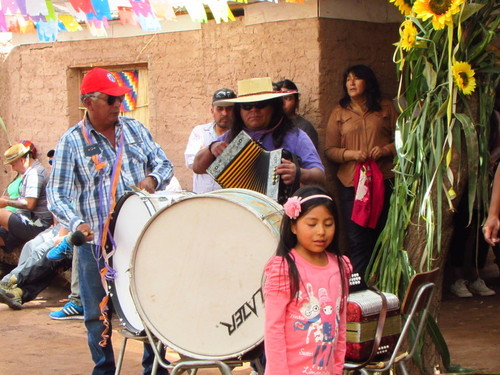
[
  {"x": 131, "y": 213},
  {"x": 197, "y": 271}
]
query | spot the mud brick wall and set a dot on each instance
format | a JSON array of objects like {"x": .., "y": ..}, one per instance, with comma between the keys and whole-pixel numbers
[{"x": 39, "y": 82}]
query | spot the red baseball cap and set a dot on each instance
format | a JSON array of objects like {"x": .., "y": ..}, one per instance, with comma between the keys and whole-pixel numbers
[{"x": 102, "y": 80}]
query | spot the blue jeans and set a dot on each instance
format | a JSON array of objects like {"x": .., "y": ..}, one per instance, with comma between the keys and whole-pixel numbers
[{"x": 92, "y": 293}]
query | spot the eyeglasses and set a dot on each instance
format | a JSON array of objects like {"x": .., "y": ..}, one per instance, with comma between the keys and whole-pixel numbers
[
  {"x": 112, "y": 99},
  {"x": 258, "y": 105}
]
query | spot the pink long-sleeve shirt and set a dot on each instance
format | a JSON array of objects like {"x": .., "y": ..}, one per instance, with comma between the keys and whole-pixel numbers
[{"x": 305, "y": 335}]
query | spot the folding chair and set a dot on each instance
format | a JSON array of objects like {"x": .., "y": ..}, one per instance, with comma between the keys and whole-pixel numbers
[
  {"x": 414, "y": 310},
  {"x": 127, "y": 335}
]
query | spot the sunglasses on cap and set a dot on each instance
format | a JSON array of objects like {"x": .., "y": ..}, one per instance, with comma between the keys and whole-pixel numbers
[
  {"x": 258, "y": 105},
  {"x": 223, "y": 94}
]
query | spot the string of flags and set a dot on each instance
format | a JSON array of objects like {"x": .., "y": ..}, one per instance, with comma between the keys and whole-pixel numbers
[{"x": 49, "y": 17}]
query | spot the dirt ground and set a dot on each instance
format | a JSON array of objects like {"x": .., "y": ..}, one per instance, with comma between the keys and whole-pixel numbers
[{"x": 31, "y": 342}]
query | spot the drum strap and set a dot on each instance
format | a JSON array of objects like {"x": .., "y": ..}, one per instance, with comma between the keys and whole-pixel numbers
[{"x": 107, "y": 272}]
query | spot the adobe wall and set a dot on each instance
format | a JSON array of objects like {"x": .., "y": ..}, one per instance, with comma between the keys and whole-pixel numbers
[{"x": 39, "y": 93}]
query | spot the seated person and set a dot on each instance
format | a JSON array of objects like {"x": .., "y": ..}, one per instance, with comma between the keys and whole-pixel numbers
[
  {"x": 32, "y": 216},
  {"x": 13, "y": 191},
  {"x": 34, "y": 274}
]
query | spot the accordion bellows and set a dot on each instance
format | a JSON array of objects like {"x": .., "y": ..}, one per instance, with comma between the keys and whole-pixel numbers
[
  {"x": 363, "y": 309},
  {"x": 244, "y": 164}
]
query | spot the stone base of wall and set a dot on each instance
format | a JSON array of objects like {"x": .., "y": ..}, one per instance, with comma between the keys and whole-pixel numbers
[{"x": 10, "y": 259}]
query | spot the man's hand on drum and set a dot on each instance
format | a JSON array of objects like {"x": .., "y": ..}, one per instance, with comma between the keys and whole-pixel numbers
[
  {"x": 87, "y": 231},
  {"x": 287, "y": 170},
  {"x": 148, "y": 184}
]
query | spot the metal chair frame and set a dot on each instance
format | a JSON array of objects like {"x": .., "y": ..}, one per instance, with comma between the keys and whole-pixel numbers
[
  {"x": 127, "y": 335},
  {"x": 415, "y": 307}
]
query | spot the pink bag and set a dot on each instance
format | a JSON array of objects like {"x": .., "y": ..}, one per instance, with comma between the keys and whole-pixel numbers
[{"x": 369, "y": 191}]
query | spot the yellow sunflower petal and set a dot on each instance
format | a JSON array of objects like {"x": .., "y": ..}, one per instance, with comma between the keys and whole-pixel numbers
[
  {"x": 404, "y": 6},
  {"x": 463, "y": 75},
  {"x": 441, "y": 11},
  {"x": 408, "y": 33}
]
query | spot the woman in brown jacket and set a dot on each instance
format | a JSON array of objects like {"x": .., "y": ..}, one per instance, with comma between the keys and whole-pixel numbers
[{"x": 361, "y": 127}]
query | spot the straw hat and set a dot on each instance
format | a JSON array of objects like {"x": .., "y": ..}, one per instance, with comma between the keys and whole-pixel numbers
[
  {"x": 15, "y": 152},
  {"x": 255, "y": 90}
]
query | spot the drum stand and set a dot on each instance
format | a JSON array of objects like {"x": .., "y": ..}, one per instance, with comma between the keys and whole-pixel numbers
[{"x": 189, "y": 364}]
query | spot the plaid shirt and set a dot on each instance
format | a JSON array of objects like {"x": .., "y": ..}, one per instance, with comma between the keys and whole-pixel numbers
[{"x": 73, "y": 188}]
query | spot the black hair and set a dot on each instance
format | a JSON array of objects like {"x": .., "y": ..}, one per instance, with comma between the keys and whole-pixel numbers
[
  {"x": 372, "y": 90},
  {"x": 288, "y": 240},
  {"x": 278, "y": 116},
  {"x": 289, "y": 85}
]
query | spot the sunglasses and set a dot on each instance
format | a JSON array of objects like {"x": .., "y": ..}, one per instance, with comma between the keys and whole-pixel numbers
[
  {"x": 224, "y": 94},
  {"x": 258, "y": 105},
  {"x": 112, "y": 99}
]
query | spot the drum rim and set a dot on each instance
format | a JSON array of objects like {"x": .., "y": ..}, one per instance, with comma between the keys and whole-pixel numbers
[{"x": 147, "y": 321}]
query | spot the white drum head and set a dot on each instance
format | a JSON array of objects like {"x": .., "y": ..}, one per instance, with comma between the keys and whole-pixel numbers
[
  {"x": 197, "y": 273},
  {"x": 133, "y": 211},
  {"x": 129, "y": 224}
]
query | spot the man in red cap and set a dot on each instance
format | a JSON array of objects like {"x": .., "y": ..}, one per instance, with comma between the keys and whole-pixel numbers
[{"x": 95, "y": 163}]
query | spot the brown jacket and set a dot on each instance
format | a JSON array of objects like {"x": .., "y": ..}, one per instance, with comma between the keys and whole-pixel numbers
[{"x": 349, "y": 130}]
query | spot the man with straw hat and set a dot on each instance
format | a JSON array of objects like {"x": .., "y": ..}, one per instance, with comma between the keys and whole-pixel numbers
[
  {"x": 32, "y": 216},
  {"x": 258, "y": 110}
]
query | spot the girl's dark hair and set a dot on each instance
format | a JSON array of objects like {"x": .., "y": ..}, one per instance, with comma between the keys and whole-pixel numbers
[
  {"x": 372, "y": 90},
  {"x": 278, "y": 115},
  {"x": 288, "y": 240}
]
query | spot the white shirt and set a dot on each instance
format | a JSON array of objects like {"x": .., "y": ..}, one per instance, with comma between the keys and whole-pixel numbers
[{"x": 201, "y": 136}]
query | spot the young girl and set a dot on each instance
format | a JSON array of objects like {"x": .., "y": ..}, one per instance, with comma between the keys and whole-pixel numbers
[{"x": 305, "y": 290}]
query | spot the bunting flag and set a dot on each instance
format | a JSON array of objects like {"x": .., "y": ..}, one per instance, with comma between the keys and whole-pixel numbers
[
  {"x": 69, "y": 23},
  {"x": 129, "y": 78},
  {"x": 220, "y": 10},
  {"x": 163, "y": 9},
  {"x": 3, "y": 22},
  {"x": 47, "y": 31},
  {"x": 12, "y": 24},
  {"x": 84, "y": 6},
  {"x": 26, "y": 26},
  {"x": 98, "y": 28},
  {"x": 196, "y": 11},
  {"x": 145, "y": 16},
  {"x": 36, "y": 7},
  {"x": 101, "y": 9},
  {"x": 22, "y": 16},
  {"x": 51, "y": 13},
  {"x": 127, "y": 16},
  {"x": 9, "y": 7}
]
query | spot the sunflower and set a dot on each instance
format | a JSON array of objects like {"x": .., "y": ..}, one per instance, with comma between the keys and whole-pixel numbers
[
  {"x": 404, "y": 6},
  {"x": 441, "y": 11},
  {"x": 408, "y": 33},
  {"x": 464, "y": 77}
]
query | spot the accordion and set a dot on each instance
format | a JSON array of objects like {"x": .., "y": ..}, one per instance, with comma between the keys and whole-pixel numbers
[
  {"x": 244, "y": 164},
  {"x": 363, "y": 309}
]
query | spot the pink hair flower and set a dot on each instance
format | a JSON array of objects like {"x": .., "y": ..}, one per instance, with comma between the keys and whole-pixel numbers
[{"x": 292, "y": 207}]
